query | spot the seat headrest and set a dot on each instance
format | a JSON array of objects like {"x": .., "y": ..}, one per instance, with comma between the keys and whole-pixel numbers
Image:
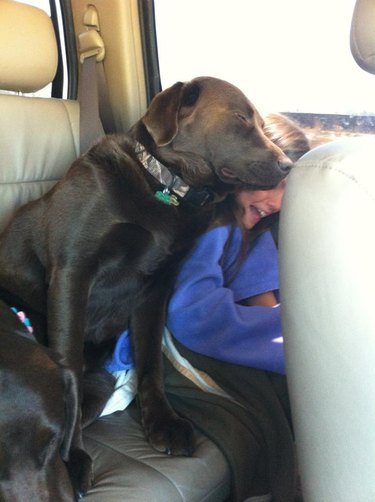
[
  {"x": 28, "y": 49},
  {"x": 362, "y": 35}
]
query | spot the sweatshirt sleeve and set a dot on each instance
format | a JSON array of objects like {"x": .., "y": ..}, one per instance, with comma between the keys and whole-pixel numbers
[{"x": 203, "y": 312}]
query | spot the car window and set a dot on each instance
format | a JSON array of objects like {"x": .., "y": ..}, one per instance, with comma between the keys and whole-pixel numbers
[{"x": 291, "y": 57}]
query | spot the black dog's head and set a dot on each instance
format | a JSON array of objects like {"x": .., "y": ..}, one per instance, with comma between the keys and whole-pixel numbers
[
  {"x": 38, "y": 410},
  {"x": 212, "y": 133}
]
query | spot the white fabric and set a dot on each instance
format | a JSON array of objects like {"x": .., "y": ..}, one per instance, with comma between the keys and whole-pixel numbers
[{"x": 126, "y": 390}]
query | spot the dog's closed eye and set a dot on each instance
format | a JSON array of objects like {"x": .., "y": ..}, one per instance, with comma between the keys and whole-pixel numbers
[{"x": 247, "y": 121}]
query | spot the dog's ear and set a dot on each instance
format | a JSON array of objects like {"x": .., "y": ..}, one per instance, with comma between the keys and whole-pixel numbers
[
  {"x": 161, "y": 119},
  {"x": 71, "y": 411}
]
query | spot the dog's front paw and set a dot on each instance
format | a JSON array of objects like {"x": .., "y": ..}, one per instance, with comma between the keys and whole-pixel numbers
[
  {"x": 173, "y": 435},
  {"x": 79, "y": 467}
]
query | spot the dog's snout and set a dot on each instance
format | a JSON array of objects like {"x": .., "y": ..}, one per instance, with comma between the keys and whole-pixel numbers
[{"x": 285, "y": 164}]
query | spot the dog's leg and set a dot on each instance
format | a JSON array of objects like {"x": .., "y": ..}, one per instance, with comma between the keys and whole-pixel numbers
[
  {"x": 98, "y": 386},
  {"x": 166, "y": 431},
  {"x": 67, "y": 300}
]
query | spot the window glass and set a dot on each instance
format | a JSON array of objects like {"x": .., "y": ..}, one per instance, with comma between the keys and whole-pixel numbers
[{"x": 291, "y": 56}]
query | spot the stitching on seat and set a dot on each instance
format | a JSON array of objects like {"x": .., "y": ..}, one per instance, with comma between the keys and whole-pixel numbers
[{"x": 348, "y": 176}]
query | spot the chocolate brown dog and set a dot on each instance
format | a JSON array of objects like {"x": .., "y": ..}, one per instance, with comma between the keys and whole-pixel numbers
[
  {"x": 38, "y": 408},
  {"x": 99, "y": 252}
]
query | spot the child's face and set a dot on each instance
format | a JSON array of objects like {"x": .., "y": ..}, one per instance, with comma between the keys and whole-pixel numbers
[{"x": 257, "y": 204}]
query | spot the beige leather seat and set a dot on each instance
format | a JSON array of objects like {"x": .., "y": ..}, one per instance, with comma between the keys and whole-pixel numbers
[
  {"x": 39, "y": 139},
  {"x": 327, "y": 262}
]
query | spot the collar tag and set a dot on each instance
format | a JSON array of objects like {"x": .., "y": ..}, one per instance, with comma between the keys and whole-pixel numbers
[{"x": 166, "y": 197}]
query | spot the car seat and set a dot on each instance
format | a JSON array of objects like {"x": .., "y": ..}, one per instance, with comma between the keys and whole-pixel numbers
[
  {"x": 327, "y": 276},
  {"x": 39, "y": 138}
]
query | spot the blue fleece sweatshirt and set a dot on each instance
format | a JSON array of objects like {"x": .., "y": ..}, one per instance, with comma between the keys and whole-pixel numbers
[
  {"x": 204, "y": 314},
  {"x": 203, "y": 311}
]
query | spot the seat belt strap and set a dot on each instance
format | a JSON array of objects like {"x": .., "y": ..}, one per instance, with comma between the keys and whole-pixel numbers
[
  {"x": 90, "y": 125},
  {"x": 105, "y": 108},
  {"x": 96, "y": 116}
]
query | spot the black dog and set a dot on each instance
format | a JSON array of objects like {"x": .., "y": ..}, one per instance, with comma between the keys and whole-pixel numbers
[
  {"x": 39, "y": 406},
  {"x": 100, "y": 251}
]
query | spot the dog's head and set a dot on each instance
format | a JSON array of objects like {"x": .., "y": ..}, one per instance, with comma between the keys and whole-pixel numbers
[
  {"x": 211, "y": 131},
  {"x": 38, "y": 412}
]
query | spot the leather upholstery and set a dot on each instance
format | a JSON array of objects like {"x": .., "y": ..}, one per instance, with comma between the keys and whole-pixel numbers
[
  {"x": 39, "y": 139},
  {"x": 327, "y": 274},
  {"x": 30, "y": 61},
  {"x": 362, "y": 36},
  {"x": 327, "y": 269},
  {"x": 127, "y": 468}
]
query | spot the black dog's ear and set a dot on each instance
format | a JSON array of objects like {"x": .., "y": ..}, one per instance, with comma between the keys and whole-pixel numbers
[
  {"x": 71, "y": 411},
  {"x": 161, "y": 119}
]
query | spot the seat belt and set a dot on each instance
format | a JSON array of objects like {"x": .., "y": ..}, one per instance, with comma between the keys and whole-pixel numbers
[
  {"x": 90, "y": 125},
  {"x": 96, "y": 118}
]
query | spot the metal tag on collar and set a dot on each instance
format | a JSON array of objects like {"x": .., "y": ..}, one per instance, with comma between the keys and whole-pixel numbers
[{"x": 166, "y": 197}]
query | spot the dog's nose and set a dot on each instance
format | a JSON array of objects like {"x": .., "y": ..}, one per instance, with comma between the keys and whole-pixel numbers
[{"x": 285, "y": 164}]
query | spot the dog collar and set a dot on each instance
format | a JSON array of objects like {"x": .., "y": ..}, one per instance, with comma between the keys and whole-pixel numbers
[{"x": 171, "y": 182}]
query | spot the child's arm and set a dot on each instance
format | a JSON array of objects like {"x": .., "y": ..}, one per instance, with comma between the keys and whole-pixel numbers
[{"x": 267, "y": 299}]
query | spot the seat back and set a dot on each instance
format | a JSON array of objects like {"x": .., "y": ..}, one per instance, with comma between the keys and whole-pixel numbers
[
  {"x": 327, "y": 276},
  {"x": 39, "y": 137},
  {"x": 362, "y": 35}
]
